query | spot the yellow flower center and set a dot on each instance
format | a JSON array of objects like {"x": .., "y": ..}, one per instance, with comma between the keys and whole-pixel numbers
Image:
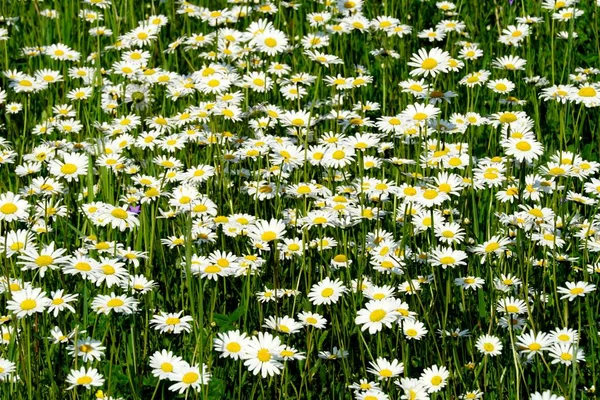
[
  {"x": 507, "y": 118},
  {"x": 108, "y": 269},
  {"x": 190, "y": 377},
  {"x": 411, "y": 332},
  {"x": 338, "y": 155},
  {"x": 102, "y": 246},
  {"x": 264, "y": 355},
  {"x": 447, "y": 260},
  {"x": 84, "y": 380},
  {"x": 9, "y": 208},
  {"x": 185, "y": 200},
  {"x": 492, "y": 247},
  {"x": 534, "y": 346},
  {"x": 85, "y": 348},
  {"x": 115, "y": 303},
  {"x": 17, "y": 246},
  {"x": 429, "y": 63},
  {"x": 44, "y": 260},
  {"x": 233, "y": 347},
  {"x": 523, "y": 146},
  {"x": 410, "y": 191},
  {"x": 420, "y": 116},
  {"x": 270, "y": 42},
  {"x": 430, "y": 194},
  {"x": 119, "y": 213},
  {"x": 268, "y": 236},
  {"x": 377, "y": 315},
  {"x": 557, "y": 171},
  {"x": 566, "y": 356},
  {"x": 68, "y": 169},
  {"x": 386, "y": 373},
  {"x": 28, "y": 304},
  {"x": 213, "y": 269},
  {"x": 587, "y": 91},
  {"x": 444, "y": 187}
]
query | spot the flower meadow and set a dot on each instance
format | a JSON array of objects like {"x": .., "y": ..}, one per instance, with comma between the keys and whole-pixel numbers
[{"x": 313, "y": 199}]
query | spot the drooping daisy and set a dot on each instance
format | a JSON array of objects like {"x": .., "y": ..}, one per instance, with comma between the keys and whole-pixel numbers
[
  {"x": 372, "y": 394},
  {"x": 469, "y": 282},
  {"x": 575, "y": 289},
  {"x": 188, "y": 376},
  {"x": 385, "y": 369},
  {"x": 511, "y": 63},
  {"x": 546, "y": 395},
  {"x": 88, "y": 349},
  {"x": 119, "y": 217},
  {"x": 283, "y": 324},
  {"x": 447, "y": 257},
  {"x": 533, "y": 343},
  {"x": 418, "y": 113},
  {"x": 171, "y": 322},
  {"x": 120, "y": 304},
  {"x": 7, "y": 367},
  {"x": 511, "y": 305},
  {"x": 413, "y": 389},
  {"x": 312, "y": 319},
  {"x": 565, "y": 353},
  {"x": 84, "y": 377}
]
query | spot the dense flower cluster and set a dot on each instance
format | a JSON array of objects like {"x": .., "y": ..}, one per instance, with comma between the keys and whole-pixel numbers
[{"x": 258, "y": 194}]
